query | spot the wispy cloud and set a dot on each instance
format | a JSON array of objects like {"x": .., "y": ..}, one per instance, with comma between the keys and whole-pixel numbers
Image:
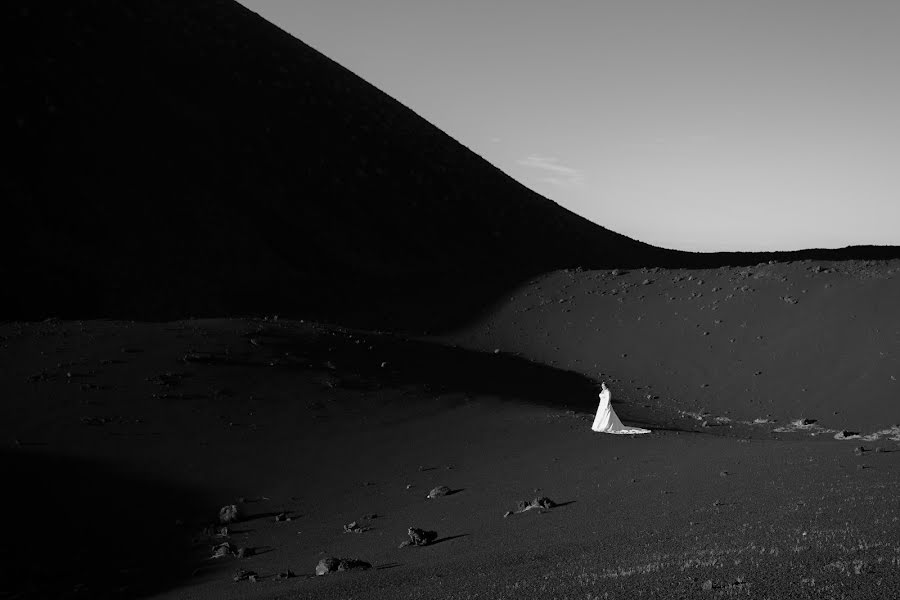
[{"x": 557, "y": 174}]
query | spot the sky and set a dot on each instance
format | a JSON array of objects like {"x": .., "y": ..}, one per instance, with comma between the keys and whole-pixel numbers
[{"x": 700, "y": 125}]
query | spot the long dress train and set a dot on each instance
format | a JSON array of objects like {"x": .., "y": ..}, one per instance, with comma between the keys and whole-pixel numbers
[{"x": 607, "y": 421}]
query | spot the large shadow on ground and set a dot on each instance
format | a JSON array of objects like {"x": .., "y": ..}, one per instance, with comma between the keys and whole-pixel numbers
[
  {"x": 353, "y": 360},
  {"x": 78, "y": 529}
]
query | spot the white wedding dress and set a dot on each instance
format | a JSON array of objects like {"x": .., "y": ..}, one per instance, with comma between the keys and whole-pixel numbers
[{"x": 606, "y": 420}]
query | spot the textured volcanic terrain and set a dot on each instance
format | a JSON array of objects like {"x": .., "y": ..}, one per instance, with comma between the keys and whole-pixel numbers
[{"x": 123, "y": 440}]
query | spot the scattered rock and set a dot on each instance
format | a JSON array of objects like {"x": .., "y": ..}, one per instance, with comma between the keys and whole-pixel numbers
[
  {"x": 789, "y": 299},
  {"x": 329, "y": 565},
  {"x": 245, "y": 575},
  {"x": 222, "y": 550},
  {"x": 541, "y": 502},
  {"x": 846, "y": 435},
  {"x": 229, "y": 514},
  {"x": 282, "y": 518},
  {"x": 354, "y": 527},
  {"x": 420, "y": 537},
  {"x": 441, "y": 490}
]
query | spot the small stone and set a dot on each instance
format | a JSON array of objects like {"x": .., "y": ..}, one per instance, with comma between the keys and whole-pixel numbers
[
  {"x": 420, "y": 537},
  {"x": 229, "y": 514},
  {"x": 244, "y": 575},
  {"x": 507, "y": 514},
  {"x": 441, "y": 490},
  {"x": 245, "y": 552},
  {"x": 860, "y": 450},
  {"x": 285, "y": 575},
  {"x": 222, "y": 550},
  {"x": 331, "y": 564},
  {"x": 707, "y": 585},
  {"x": 281, "y": 518},
  {"x": 543, "y": 502},
  {"x": 354, "y": 527},
  {"x": 723, "y": 473}
]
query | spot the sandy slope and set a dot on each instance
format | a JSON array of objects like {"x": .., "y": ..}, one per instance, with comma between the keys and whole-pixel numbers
[
  {"x": 783, "y": 341},
  {"x": 126, "y": 438}
]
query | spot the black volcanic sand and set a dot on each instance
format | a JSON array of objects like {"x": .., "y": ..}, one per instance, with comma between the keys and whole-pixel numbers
[{"x": 124, "y": 439}]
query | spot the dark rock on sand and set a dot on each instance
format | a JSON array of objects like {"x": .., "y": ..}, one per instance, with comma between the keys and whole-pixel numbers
[
  {"x": 441, "y": 490},
  {"x": 331, "y": 564},
  {"x": 229, "y": 514},
  {"x": 245, "y": 575},
  {"x": 223, "y": 549},
  {"x": 354, "y": 527},
  {"x": 541, "y": 502},
  {"x": 419, "y": 537}
]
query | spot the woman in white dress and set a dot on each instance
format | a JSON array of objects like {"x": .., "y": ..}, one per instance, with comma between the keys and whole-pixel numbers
[{"x": 606, "y": 420}]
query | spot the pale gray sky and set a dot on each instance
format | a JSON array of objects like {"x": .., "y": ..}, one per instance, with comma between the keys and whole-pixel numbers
[{"x": 690, "y": 124}]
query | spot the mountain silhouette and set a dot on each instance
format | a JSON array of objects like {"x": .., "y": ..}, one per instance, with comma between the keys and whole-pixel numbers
[
  {"x": 189, "y": 158},
  {"x": 179, "y": 158}
]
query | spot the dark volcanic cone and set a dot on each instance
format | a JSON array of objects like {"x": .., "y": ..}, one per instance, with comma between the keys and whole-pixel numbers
[{"x": 177, "y": 158}]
